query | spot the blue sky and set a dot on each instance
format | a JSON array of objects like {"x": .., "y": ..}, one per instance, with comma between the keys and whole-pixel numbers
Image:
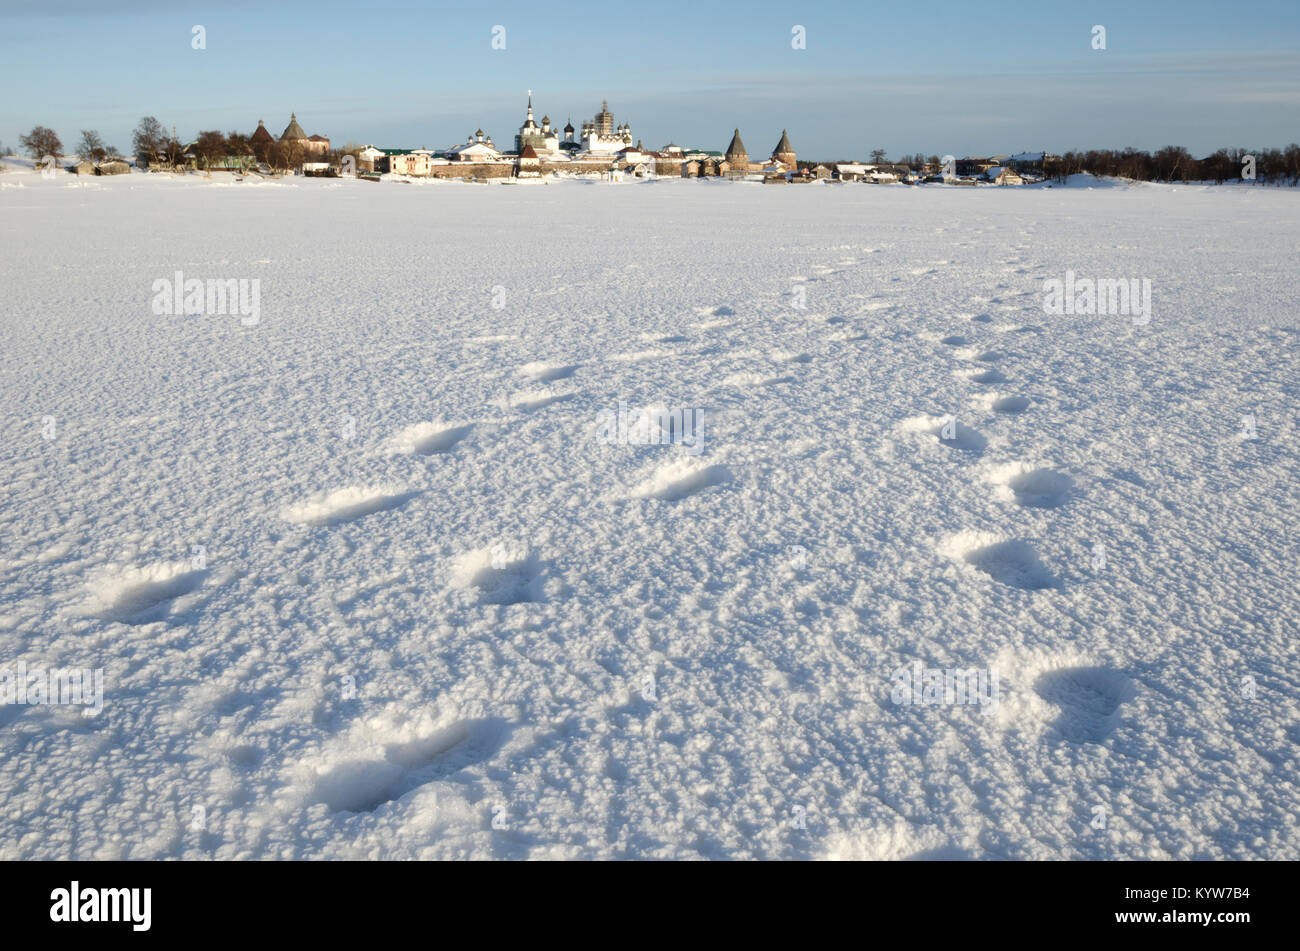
[{"x": 945, "y": 77}]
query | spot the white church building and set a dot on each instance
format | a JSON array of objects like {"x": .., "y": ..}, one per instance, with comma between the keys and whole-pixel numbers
[{"x": 601, "y": 137}]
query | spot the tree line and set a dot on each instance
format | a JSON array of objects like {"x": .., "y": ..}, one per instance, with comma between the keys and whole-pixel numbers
[
  {"x": 42, "y": 141},
  {"x": 153, "y": 146},
  {"x": 1175, "y": 164}
]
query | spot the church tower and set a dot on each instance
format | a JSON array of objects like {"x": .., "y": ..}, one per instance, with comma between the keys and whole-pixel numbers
[
  {"x": 542, "y": 138},
  {"x": 604, "y": 120}
]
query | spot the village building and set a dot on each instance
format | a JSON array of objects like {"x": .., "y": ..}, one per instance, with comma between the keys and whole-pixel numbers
[
  {"x": 406, "y": 161},
  {"x": 999, "y": 175},
  {"x": 821, "y": 172},
  {"x": 1032, "y": 164},
  {"x": 697, "y": 164},
  {"x": 969, "y": 167},
  {"x": 367, "y": 157},
  {"x": 849, "y": 172}
]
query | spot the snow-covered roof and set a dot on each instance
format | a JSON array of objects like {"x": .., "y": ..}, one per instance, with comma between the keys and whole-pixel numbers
[{"x": 474, "y": 148}]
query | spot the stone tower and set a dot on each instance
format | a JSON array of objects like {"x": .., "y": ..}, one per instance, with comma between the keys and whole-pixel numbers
[
  {"x": 736, "y": 156},
  {"x": 293, "y": 131},
  {"x": 784, "y": 151}
]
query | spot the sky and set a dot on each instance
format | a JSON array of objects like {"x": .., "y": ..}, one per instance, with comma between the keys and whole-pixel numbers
[{"x": 961, "y": 78}]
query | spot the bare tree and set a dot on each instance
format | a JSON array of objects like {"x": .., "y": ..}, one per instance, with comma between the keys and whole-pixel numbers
[
  {"x": 91, "y": 148},
  {"x": 1172, "y": 163},
  {"x": 290, "y": 155},
  {"x": 41, "y": 142},
  {"x": 210, "y": 148},
  {"x": 173, "y": 151},
  {"x": 148, "y": 141},
  {"x": 239, "y": 147},
  {"x": 877, "y": 156}
]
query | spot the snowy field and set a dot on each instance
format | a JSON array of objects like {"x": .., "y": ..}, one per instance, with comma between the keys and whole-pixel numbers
[{"x": 365, "y": 577}]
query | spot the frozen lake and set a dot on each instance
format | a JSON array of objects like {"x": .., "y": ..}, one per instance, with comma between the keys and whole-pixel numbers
[{"x": 368, "y": 572}]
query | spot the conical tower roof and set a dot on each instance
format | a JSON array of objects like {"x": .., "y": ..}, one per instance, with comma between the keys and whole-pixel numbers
[
  {"x": 293, "y": 130},
  {"x": 784, "y": 145},
  {"x": 736, "y": 147}
]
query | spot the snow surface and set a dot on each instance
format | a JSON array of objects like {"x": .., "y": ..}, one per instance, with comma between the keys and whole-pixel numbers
[{"x": 565, "y": 648}]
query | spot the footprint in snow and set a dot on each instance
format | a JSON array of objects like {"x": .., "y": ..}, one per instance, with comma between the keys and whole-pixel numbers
[
  {"x": 754, "y": 379},
  {"x": 678, "y": 480},
  {"x": 501, "y": 575},
  {"x": 1010, "y": 404},
  {"x": 346, "y": 505},
  {"x": 375, "y": 766},
  {"x": 139, "y": 595},
  {"x": 1034, "y": 488},
  {"x": 790, "y": 356},
  {"x": 985, "y": 377},
  {"x": 531, "y": 402},
  {"x": 1008, "y": 561},
  {"x": 949, "y": 432},
  {"x": 1089, "y": 699},
  {"x": 426, "y": 439},
  {"x": 547, "y": 372}
]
